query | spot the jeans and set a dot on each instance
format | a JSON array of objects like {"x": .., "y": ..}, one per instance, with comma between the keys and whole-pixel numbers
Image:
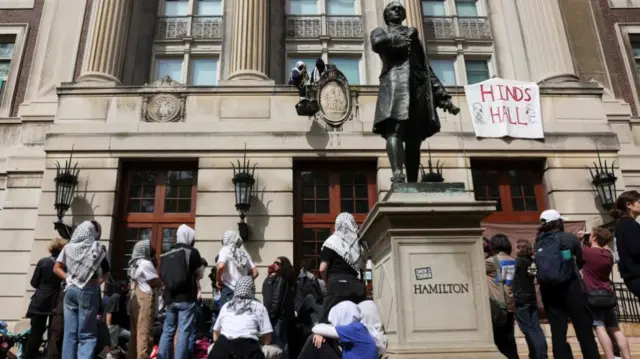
[
  {"x": 569, "y": 302},
  {"x": 280, "y": 336},
  {"x": 529, "y": 323},
  {"x": 226, "y": 294},
  {"x": 80, "y": 322},
  {"x": 181, "y": 317}
]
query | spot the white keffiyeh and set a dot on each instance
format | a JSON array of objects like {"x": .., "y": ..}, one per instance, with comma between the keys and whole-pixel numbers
[
  {"x": 83, "y": 254},
  {"x": 233, "y": 241},
  {"x": 371, "y": 320},
  {"x": 141, "y": 250},
  {"x": 243, "y": 297},
  {"x": 344, "y": 240},
  {"x": 185, "y": 235}
]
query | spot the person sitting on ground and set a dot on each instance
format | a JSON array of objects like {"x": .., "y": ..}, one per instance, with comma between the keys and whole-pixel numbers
[
  {"x": 242, "y": 326},
  {"x": 353, "y": 336},
  {"x": 117, "y": 315}
]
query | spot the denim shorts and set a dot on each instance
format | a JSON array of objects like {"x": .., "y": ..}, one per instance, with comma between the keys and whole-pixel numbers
[{"x": 605, "y": 318}]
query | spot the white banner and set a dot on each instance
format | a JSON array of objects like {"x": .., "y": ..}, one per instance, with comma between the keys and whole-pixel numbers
[{"x": 501, "y": 108}]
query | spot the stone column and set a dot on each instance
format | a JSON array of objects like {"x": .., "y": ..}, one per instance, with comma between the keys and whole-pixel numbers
[
  {"x": 414, "y": 16},
  {"x": 249, "y": 40},
  {"x": 104, "y": 56},
  {"x": 545, "y": 41},
  {"x": 509, "y": 45}
]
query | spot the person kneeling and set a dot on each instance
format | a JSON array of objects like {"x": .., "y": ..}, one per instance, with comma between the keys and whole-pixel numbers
[{"x": 242, "y": 326}]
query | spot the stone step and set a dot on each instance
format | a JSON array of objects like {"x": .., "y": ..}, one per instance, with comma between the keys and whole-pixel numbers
[{"x": 631, "y": 331}]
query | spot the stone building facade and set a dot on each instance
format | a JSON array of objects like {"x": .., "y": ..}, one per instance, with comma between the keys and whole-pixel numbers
[{"x": 155, "y": 153}]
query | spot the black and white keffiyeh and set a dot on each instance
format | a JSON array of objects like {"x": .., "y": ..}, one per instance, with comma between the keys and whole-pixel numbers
[
  {"x": 344, "y": 240},
  {"x": 141, "y": 250},
  {"x": 83, "y": 254},
  {"x": 243, "y": 297},
  {"x": 233, "y": 241}
]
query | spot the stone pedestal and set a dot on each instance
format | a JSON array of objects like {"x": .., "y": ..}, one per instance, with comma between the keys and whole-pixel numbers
[{"x": 429, "y": 274}]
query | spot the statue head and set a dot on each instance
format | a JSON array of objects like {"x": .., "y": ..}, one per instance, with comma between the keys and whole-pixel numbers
[{"x": 394, "y": 13}]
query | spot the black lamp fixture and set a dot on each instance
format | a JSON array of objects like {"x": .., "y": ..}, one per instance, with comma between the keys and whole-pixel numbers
[
  {"x": 603, "y": 180},
  {"x": 432, "y": 176},
  {"x": 243, "y": 181},
  {"x": 66, "y": 181}
]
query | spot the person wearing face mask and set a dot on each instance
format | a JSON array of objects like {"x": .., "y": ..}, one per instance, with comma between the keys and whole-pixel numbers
[
  {"x": 627, "y": 236},
  {"x": 179, "y": 272},
  {"x": 318, "y": 71}
]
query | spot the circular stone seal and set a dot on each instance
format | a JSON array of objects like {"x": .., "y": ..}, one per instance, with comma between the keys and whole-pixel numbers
[{"x": 164, "y": 108}]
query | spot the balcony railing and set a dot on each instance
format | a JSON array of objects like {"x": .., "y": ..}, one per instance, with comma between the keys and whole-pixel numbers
[
  {"x": 197, "y": 27},
  {"x": 454, "y": 27},
  {"x": 314, "y": 26}
]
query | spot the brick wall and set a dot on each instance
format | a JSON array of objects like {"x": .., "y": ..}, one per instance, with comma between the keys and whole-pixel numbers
[{"x": 607, "y": 18}]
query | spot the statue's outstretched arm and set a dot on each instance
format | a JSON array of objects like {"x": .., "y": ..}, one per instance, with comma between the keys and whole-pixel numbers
[{"x": 441, "y": 97}]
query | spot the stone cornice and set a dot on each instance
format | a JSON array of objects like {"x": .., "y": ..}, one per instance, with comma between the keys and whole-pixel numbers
[{"x": 74, "y": 89}]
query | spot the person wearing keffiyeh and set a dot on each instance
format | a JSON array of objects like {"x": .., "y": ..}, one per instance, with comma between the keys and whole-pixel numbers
[
  {"x": 145, "y": 279},
  {"x": 341, "y": 263},
  {"x": 233, "y": 263},
  {"x": 243, "y": 324},
  {"x": 83, "y": 265}
]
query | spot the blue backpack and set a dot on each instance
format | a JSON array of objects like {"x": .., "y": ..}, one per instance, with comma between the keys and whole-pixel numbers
[{"x": 554, "y": 264}]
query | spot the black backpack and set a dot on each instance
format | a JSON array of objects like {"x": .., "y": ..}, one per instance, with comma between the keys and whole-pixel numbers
[
  {"x": 174, "y": 270},
  {"x": 555, "y": 264}
]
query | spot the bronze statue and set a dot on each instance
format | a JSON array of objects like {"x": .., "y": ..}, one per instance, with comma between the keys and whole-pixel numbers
[{"x": 409, "y": 93}]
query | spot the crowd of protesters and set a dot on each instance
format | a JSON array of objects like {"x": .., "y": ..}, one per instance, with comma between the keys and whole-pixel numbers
[{"x": 158, "y": 312}]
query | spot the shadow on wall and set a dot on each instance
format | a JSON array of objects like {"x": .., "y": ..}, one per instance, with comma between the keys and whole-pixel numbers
[
  {"x": 317, "y": 137},
  {"x": 258, "y": 220}
]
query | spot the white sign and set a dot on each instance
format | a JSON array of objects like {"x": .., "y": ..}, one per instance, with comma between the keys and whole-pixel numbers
[{"x": 501, "y": 108}]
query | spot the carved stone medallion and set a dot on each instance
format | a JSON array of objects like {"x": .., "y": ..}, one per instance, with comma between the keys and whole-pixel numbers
[
  {"x": 164, "y": 108},
  {"x": 334, "y": 97},
  {"x": 166, "y": 103}
]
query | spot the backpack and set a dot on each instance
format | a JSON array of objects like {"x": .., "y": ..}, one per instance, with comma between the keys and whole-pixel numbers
[
  {"x": 174, "y": 270},
  {"x": 554, "y": 265},
  {"x": 499, "y": 308}
]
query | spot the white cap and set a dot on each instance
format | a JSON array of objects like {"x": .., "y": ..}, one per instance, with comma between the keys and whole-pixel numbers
[{"x": 550, "y": 215}]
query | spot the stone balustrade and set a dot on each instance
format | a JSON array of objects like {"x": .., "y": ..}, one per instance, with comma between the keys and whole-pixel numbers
[
  {"x": 315, "y": 26},
  {"x": 197, "y": 27},
  {"x": 454, "y": 27}
]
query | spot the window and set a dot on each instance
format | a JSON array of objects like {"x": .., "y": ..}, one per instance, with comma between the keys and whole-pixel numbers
[
  {"x": 12, "y": 47},
  {"x": 204, "y": 72},
  {"x": 156, "y": 202},
  {"x": 321, "y": 193},
  {"x": 341, "y": 7},
  {"x": 303, "y": 7},
  {"x": 7, "y": 46},
  {"x": 349, "y": 67},
  {"x": 188, "y": 41},
  {"x": 635, "y": 50},
  {"x": 176, "y": 7},
  {"x": 444, "y": 69},
  {"x": 516, "y": 187},
  {"x": 170, "y": 67},
  {"x": 433, "y": 8},
  {"x": 466, "y": 8},
  {"x": 477, "y": 71},
  {"x": 209, "y": 7}
]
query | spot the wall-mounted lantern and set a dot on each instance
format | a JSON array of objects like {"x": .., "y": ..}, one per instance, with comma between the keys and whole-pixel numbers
[
  {"x": 603, "y": 180},
  {"x": 243, "y": 181},
  {"x": 435, "y": 173},
  {"x": 66, "y": 181}
]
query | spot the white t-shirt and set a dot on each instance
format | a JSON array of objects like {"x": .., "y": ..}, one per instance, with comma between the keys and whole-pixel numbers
[
  {"x": 247, "y": 325},
  {"x": 143, "y": 274},
  {"x": 232, "y": 270}
]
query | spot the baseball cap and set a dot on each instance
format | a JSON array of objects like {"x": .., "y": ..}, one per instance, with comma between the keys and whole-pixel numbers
[{"x": 550, "y": 215}]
